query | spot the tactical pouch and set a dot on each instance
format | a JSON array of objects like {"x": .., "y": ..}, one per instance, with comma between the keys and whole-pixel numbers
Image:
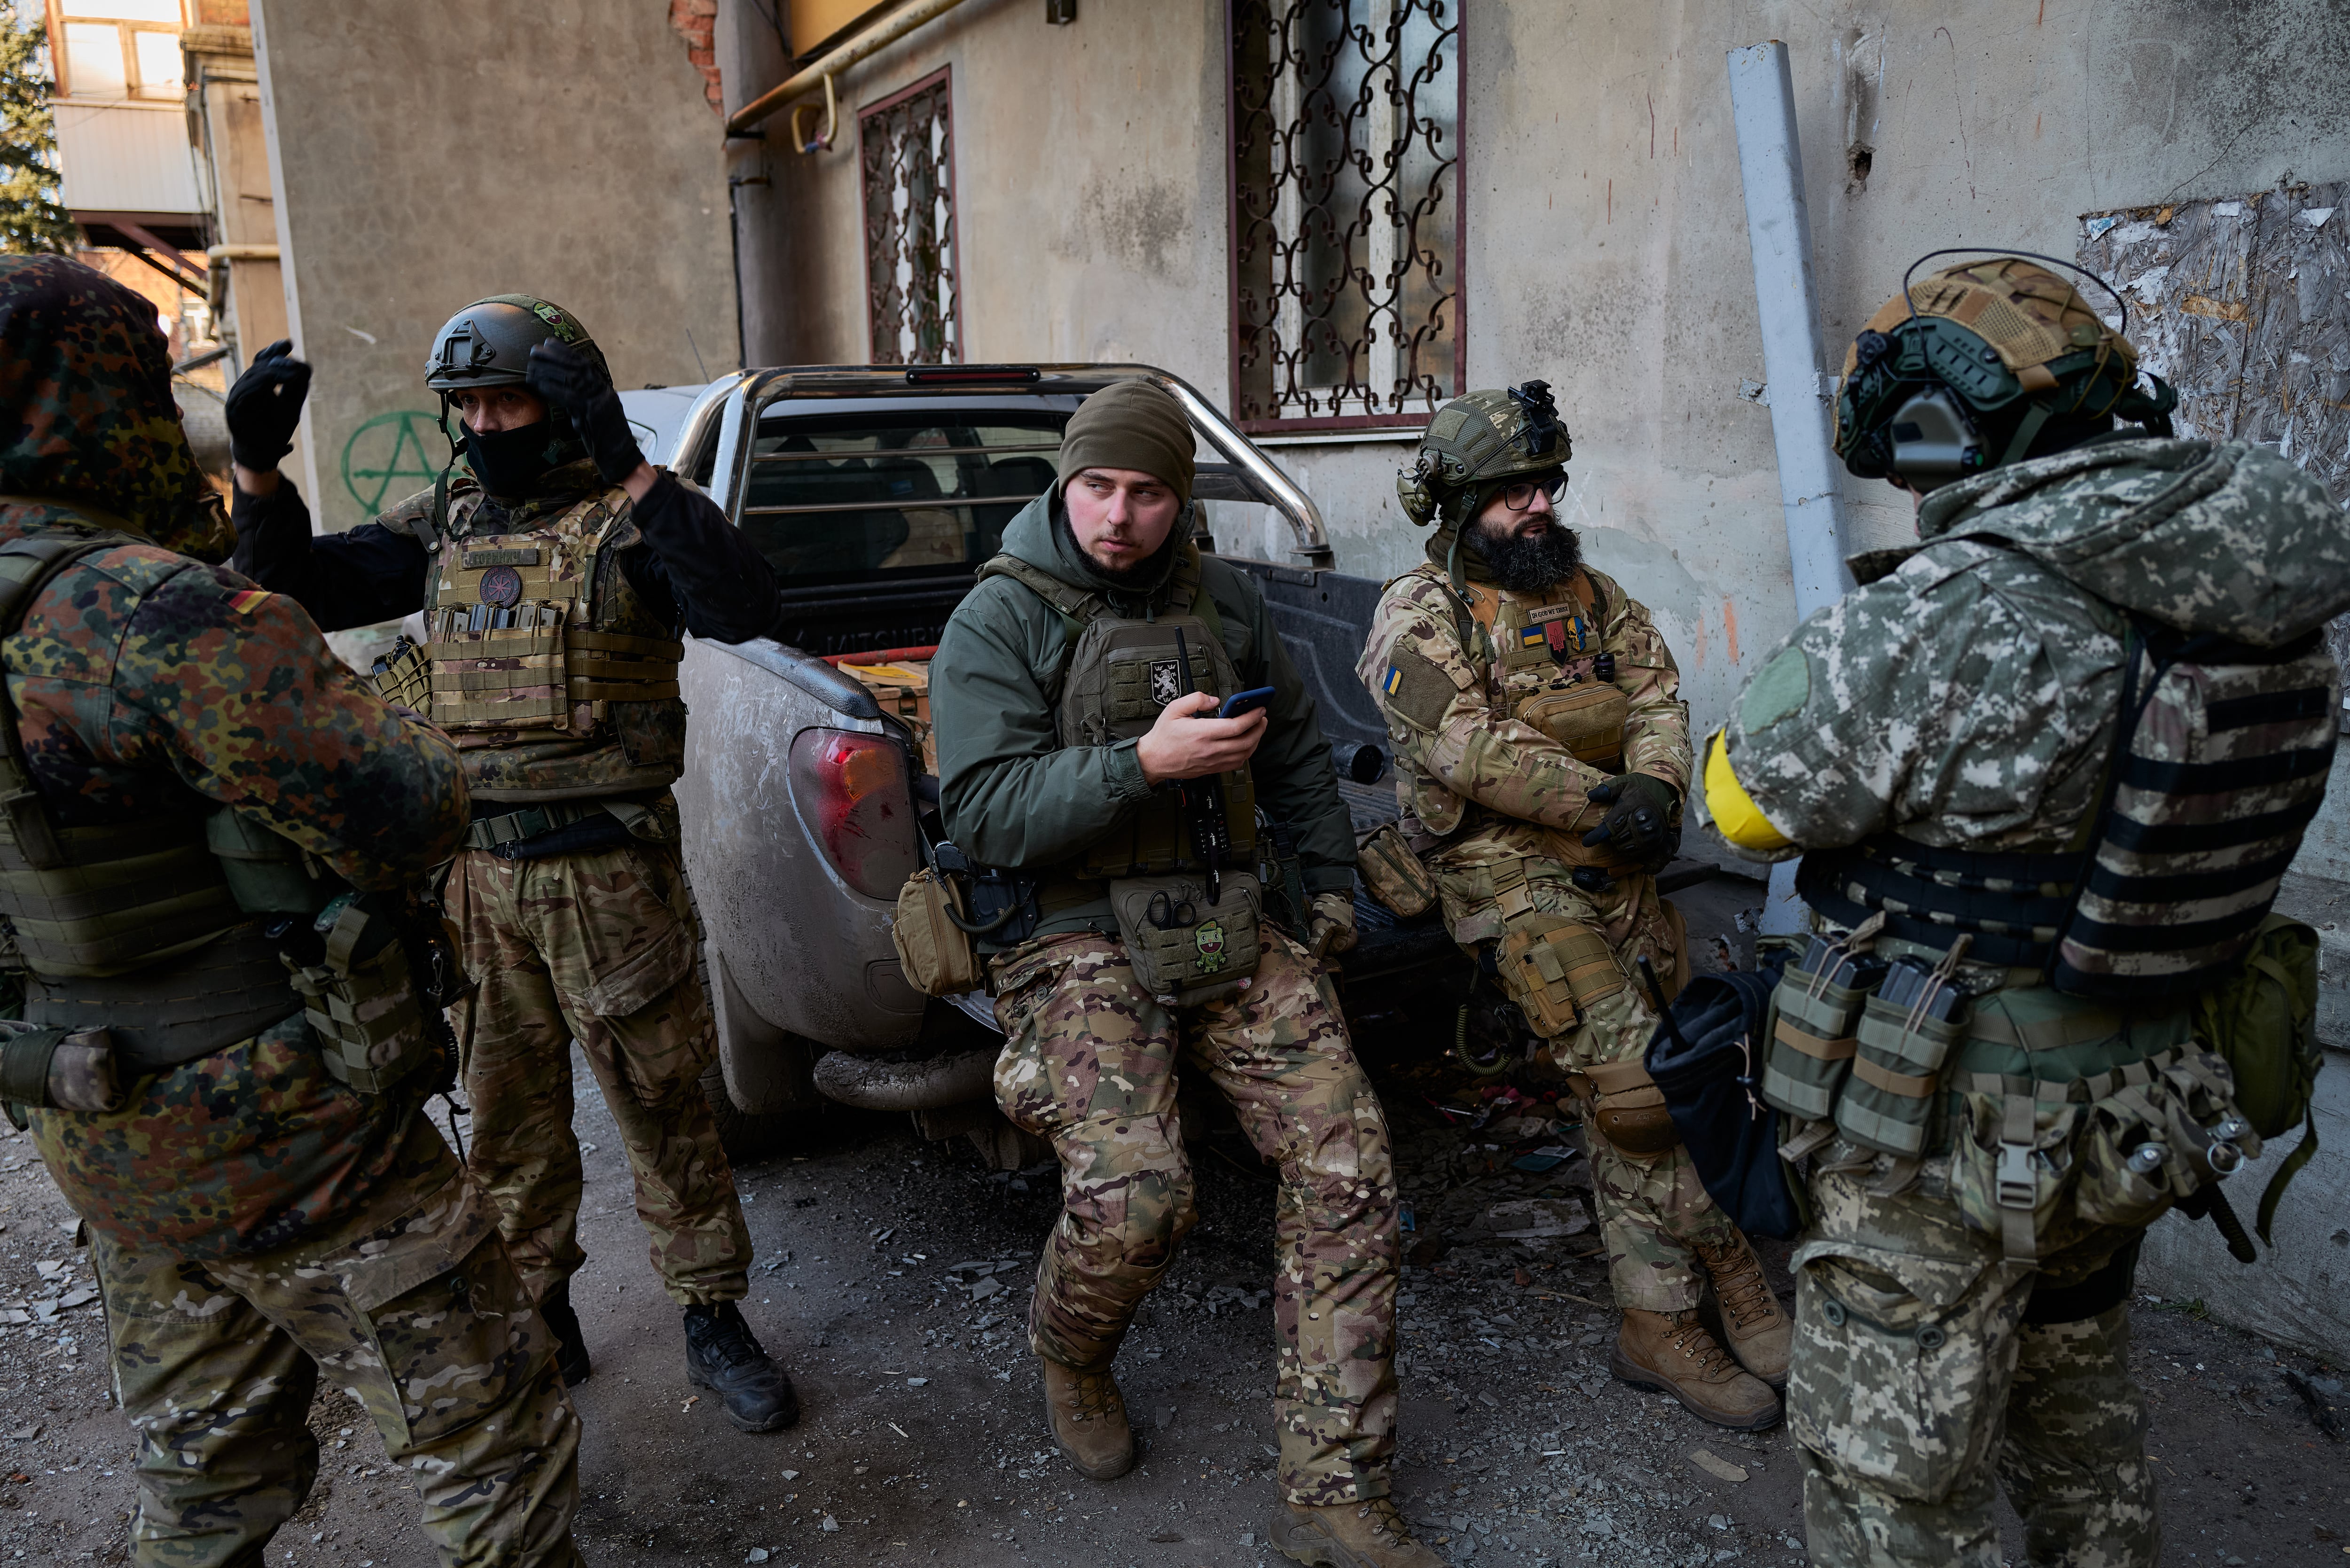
[
  {"x": 1814, "y": 1012},
  {"x": 2012, "y": 1164},
  {"x": 267, "y": 873},
  {"x": 1186, "y": 951},
  {"x": 1890, "y": 1101},
  {"x": 1587, "y": 717},
  {"x": 934, "y": 950},
  {"x": 1625, "y": 1106},
  {"x": 361, "y": 1000},
  {"x": 1392, "y": 874},
  {"x": 1556, "y": 972},
  {"x": 404, "y": 676},
  {"x": 60, "y": 1069}
]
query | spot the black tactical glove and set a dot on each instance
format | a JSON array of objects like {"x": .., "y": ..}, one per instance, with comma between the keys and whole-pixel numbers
[
  {"x": 572, "y": 382},
  {"x": 264, "y": 405},
  {"x": 1639, "y": 821}
]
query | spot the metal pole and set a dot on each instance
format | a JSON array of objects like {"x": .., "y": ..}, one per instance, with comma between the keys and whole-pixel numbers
[
  {"x": 1786, "y": 300},
  {"x": 812, "y": 79}
]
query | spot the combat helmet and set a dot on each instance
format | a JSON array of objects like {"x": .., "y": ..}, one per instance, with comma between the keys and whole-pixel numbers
[
  {"x": 488, "y": 343},
  {"x": 1476, "y": 444},
  {"x": 1966, "y": 369}
]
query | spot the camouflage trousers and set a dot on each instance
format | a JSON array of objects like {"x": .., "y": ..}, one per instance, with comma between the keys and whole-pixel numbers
[
  {"x": 1654, "y": 1213},
  {"x": 598, "y": 946},
  {"x": 1916, "y": 1386},
  {"x": 1091, "y": 1063},
  {"x": 419, "y": 1313}
]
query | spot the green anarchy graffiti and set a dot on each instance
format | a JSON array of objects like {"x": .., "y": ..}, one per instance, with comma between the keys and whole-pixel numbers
[{"x": 389, "y": 451}]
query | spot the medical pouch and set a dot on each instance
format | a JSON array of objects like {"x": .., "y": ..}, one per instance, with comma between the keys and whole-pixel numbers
[
  {"x": 1184, "y": 948},
  {"x": 1392, "y": 874},
  {"x": 1907, "y": 1030}
]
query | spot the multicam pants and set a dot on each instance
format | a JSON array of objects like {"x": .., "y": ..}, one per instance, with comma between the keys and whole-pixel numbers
[
  {"x": 420, "y": 1313},
  {"x": 597, "y": 946},
  {"x": 1654, "y": 1213},
  {"x": 1914, "y": 1381},
  {"x": 1091, "y": 1063}
]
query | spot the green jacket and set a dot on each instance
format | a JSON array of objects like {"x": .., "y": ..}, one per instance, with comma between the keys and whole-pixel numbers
[{"x": 1013, "y": 796}]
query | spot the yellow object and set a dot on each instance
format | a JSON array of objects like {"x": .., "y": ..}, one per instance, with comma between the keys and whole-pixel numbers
[
  {"x": 1734, "y": 812},
  {"x": 813, "y": 23}
]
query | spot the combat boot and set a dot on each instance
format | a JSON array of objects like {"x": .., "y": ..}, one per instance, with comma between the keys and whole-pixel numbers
[
  {"x": 721, "y": 1356},
  {"x": 1367, "y": 1534},
  {"x": 1671, "y": 1353},
  {"x": 571, "y": 1362},
  {"x": 1087, "y": 1415},
  {"x": 1758, "y": 1328}
]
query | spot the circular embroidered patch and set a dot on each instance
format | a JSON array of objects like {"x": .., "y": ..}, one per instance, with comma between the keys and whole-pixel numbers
[{"x": 501, "y": 585}]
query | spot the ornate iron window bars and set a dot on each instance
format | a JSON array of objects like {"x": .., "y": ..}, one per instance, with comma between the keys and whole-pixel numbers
[
  {"x": 905, "y": 146},
  {"x": 1346, "y": 211}
]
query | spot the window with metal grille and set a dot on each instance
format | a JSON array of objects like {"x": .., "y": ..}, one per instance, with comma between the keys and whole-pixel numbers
[
  {"x": 906, "y": 148},
  {"x": 1345, "y": 229}
]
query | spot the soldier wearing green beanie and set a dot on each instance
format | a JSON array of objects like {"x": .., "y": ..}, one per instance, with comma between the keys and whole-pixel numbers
[{"x": 1075, "y": 693}]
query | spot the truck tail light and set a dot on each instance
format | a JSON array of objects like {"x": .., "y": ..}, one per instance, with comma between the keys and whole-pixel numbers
[{"x": 852, "y": 792}]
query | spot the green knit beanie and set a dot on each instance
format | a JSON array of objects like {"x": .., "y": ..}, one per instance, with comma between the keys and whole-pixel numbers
[{"x": 1135, "y": 425}]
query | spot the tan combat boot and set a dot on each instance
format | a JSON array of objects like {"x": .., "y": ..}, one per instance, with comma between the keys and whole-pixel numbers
[
  {"x": 1370, "y": 1534},
  {"x": 1759, "y": 1330},
  {"x": 1087, "y": 1415},
  {"x": 1671, "y": 1353}
]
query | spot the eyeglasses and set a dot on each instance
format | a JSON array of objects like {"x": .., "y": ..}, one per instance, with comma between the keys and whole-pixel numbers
[{"x": 1519, "y": 496}]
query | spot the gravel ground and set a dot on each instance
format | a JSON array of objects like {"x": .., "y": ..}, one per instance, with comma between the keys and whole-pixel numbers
[{"x": 892, "y": 1280}]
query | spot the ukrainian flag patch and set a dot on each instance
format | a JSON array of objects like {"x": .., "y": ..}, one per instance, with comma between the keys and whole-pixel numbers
[
  {"x": 1394, "y": 682},
  {"x": 244, "y": 600},
  {"x": 1532, "y": 636}
]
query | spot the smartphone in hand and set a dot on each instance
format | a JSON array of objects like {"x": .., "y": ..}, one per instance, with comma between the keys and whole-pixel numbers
[{"x": 1241, "y": 703}]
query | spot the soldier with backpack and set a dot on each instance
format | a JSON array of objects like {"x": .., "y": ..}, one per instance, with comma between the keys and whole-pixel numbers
[{"x": 2045, "y": 769}]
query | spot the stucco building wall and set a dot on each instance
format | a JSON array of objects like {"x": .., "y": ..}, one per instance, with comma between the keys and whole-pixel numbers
[{"x": 429, "y": 152}]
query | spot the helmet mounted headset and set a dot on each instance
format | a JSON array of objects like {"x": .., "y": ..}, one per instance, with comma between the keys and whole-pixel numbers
[
  {"x": 1972, "y": 380},
  {"x": 1475, "y": 446}
]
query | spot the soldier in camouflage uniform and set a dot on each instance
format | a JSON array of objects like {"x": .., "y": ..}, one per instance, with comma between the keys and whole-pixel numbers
[
  {"x": 252, "y": 1218},
  {"x": 555, "y": 576},
  {"x": 1542, "y": 753},
  {"x": 1092, "y": 1049},
  {"x": 1937, "y": 746}
]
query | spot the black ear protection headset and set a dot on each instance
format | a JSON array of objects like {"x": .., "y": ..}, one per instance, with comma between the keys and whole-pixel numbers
[{"x": 1927, "y": 402}]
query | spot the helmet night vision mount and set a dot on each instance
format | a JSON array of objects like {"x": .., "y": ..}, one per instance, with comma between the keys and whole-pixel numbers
[
  {"x": 1964, "y": 371},
  {"x": 1478, "y": 443}
]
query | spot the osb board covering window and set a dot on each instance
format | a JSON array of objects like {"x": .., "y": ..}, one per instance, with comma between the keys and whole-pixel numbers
[
  {"x": 906, "y": 146},
  {"x": 1346, "y": 211},
  {"x": 2243, "y": 305}
]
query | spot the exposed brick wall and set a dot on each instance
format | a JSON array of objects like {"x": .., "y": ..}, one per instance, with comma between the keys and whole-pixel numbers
[{"x": 695, "y": 21}]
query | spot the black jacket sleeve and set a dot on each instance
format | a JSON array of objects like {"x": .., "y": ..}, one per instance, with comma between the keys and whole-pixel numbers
[
  {"x": 369, "y": 574},
  {"x": 701, "y": 564}
]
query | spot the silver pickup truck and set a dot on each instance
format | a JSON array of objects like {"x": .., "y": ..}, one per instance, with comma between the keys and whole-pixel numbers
[{"x": 875, "y": 492}]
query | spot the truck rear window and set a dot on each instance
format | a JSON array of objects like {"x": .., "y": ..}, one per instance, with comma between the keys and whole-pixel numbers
[{"x": 852, "y": 497}]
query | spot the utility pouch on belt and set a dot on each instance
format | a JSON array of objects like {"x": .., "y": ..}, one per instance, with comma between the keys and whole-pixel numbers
[
  {"x": 1815, "y": 1011},
  {"x": 63, "y": 1070},
  {"x": 1392, "y": 873},
  {"x": 933, "y": 948},
  {"x": 1625, "y": 1108},
  {"x": 360, "y": 997},
  {"x": 1556, "y": 971},
  {"x": 1907, "y": 1032},
  {"x": 1186, "y": 951},
  {"x": 2262, "y": 1021}
]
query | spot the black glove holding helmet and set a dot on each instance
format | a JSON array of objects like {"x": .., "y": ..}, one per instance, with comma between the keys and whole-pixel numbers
[
  {"x": 577, "y": 386},
  {"x": 1639, "y": 821},
  {"x": 264, "y": 405}
]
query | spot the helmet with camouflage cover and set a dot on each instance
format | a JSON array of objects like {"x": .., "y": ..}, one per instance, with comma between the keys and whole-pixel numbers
[
  {"x": 1476, "y": 444},
  {"x": 488, "y": 343},
  {"x": 1970, "y": 367}
]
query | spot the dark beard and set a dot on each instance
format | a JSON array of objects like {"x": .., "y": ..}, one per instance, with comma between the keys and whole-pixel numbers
[{"x": 1525, "y": 565}]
